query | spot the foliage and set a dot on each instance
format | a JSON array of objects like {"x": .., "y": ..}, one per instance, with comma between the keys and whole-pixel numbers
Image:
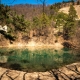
[
  {"x": 36, "y": 22},
  {"x": 72, "y": 13},
  {"x": 57, "y": 5},
  {"x": 69, "y": 27},
  {"x": 45, "y": 21},
  {"x": 41, "y": 21},
  {"x": 20, "y": 23},
  {"x": 54, "y": 9},
  {"x": 61, "y": 19},
  {"x": 14, "y": 22},
  {"x": 4, "y": 13},
  {"x": 67, "y": 22}
]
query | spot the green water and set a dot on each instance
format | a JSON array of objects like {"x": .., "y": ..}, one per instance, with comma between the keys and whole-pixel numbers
[{"x": 37, "y": 60}]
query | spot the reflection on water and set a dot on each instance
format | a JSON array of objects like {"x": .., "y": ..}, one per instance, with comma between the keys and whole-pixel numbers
[{"x": 38, "y": 60}]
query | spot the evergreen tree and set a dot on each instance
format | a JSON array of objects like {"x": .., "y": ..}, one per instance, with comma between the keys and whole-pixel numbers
[
  {"x": 20, "y": 23},
  {"x": 69, "y": 27},
  {"x": 36, "y": 22},
  {"x": 72, "y": 13},
  {"x": 60, "y": 20},
  {"x": 4, "y": 13}
]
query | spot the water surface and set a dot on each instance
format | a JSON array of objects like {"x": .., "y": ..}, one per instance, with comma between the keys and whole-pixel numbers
[{"x": 37, "y": 60}]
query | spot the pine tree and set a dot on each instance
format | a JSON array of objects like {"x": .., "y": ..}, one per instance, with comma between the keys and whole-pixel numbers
[
  {"x": 72, "y": 13},
  {"x": 69, "y": 27}
]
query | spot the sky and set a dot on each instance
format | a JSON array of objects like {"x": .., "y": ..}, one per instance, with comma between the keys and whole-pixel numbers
[{"x": 12, "y": 2}]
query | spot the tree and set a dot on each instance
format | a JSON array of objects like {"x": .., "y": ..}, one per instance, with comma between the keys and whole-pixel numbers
[
  {"x": 43, "y": 3},
  {"x": 60, "y": 19},
  {"x": 36, "y": 22},
  {"x": 41, "y": 21},
  {"x": 69, "y": 27},
  {"x": 20, "y": 23},
  {"x": 4, "y": 13},
  {"x": 45, "y": 21},
  {"x": 72, "y": 13},
  {"x": 54, "y": 9}
]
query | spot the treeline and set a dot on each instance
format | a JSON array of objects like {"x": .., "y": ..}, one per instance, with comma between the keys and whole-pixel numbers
[{"x": 29, "y": 11}]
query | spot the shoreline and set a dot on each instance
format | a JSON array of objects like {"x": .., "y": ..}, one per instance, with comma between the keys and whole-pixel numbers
[
  {"x": 57, "y": 46},
  {"x": 68, "y": 72}
]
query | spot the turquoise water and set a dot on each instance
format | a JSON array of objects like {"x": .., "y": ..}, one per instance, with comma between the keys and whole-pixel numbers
[{"x": 37, "y": 60}]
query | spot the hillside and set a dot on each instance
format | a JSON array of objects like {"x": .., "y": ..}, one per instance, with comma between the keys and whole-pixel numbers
[
  {"x": 29, "y": 25},
  {"x": 66, "y": 9},
  {"x": 29, "y": 11}
]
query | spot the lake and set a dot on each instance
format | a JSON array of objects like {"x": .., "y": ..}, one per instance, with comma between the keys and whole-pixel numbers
[{"x": 36, "y": 60}]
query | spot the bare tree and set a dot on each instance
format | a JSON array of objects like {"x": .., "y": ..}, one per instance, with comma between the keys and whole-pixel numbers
[{"x": 43, "y": 3}]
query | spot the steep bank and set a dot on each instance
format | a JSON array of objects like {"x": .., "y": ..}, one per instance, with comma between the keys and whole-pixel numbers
[{"x": 35, "y": 38}]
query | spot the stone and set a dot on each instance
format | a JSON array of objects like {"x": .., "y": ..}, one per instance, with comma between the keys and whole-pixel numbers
[
  {"x": 3, "y": 28},
  {"x": 68, "y": 72}
]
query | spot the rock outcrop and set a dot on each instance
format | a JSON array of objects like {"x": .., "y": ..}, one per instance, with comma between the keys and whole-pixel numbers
[{"x": 69, "y": 72}]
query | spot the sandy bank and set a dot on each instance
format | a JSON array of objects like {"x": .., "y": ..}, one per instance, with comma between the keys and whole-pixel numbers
[{"x": 33, "y": 45}]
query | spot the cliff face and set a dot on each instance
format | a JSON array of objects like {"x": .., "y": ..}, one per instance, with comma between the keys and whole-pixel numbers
[
  {"x": 41, "y": 36},
  {"x": 45, "y": 37}
]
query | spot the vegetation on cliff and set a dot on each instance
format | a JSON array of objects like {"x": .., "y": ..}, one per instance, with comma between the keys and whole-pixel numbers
[{"x": 44, "y": 24}]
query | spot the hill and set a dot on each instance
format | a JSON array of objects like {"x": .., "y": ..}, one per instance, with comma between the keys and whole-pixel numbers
[
  {"x": 66, "y": 9},
  {"x": 28, "y": 23}
]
